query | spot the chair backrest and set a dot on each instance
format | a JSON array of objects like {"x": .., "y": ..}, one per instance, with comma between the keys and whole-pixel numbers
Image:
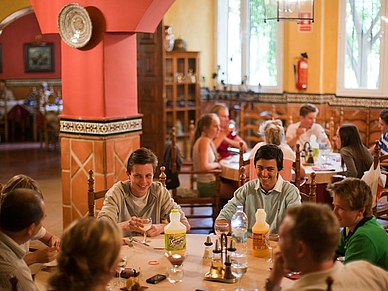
[
  {"x": 162, "y": 176},
  {"x": 92, "y": 195},
  {"x": 242, "y": 163},
  {"x": 297, "y": 166},
  {"x": 3, "y": 118},
  {"x": 310, "y": 196},
  {"x": 377, "y": 159},
  {"x": 250, "y": 121},
  {"x": 188, "y": 198}
]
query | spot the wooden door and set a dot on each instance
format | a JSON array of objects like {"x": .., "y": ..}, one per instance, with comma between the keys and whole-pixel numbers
[{"x": 150, "y": 61}]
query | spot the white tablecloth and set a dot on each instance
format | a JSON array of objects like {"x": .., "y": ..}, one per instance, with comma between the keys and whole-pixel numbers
[{"x": 194, "y": 267}]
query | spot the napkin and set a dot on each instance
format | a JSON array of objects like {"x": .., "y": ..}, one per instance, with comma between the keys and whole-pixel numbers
[{"x": 315, "y": 168}]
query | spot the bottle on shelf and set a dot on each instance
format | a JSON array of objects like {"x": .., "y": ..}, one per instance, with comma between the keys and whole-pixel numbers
[
  {"x": 175, "y": 234},
  {"x": 239, "y": 224},
  {"x": 259, "y": 231}
]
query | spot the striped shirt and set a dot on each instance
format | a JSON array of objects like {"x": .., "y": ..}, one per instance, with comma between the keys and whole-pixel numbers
[{"x": 13, "y": 265}]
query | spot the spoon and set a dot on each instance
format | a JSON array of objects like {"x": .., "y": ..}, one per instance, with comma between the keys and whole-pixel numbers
[{"x": 130, "y": 244}]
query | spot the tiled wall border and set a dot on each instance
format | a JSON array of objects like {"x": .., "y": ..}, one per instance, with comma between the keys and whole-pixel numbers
[
  {"x": 101, "y": 127},
  {"x": 330, "y": 99}
]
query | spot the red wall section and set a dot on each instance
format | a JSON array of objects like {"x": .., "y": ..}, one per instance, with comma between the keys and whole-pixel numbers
[
  {"x": 83, "y": 89},
  {"x": 102, "y": 81},
  {"x": 120, "y": 15},
  {"x": 120, "y": 75},
  {"x": 14, "y": 37}
]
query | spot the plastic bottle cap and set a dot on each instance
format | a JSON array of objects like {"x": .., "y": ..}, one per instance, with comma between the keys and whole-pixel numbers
[{"x": 174, "y": 210}]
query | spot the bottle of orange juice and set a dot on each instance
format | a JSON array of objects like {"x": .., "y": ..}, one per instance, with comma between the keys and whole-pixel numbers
[{"x": 259, "y": 231}]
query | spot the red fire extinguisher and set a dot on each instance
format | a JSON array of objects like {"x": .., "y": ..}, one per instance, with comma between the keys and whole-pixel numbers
[{"x": 300, "y": 71}]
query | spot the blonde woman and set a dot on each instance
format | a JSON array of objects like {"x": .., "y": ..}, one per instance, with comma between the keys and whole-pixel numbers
[
  {"x": 205, "y": 154},
  {"x": 273, "y": 133},
  {"x": 88, "y": 257}
]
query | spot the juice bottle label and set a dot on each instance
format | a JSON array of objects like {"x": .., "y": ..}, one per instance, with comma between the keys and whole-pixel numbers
[
  {"x": 175, "y": 241},
  {"x": 259, "y": 241}
]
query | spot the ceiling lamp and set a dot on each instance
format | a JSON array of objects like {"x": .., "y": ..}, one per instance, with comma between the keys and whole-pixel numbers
[{"x": 289, "y": 10}]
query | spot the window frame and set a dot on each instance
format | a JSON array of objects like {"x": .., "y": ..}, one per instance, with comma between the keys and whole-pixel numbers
[
  {"x": 222, "y": 53},
  {"x": 382, "y": 91}
]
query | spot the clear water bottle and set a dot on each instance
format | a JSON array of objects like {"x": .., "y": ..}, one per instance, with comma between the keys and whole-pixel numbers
[{"x": 239, "y": 225}]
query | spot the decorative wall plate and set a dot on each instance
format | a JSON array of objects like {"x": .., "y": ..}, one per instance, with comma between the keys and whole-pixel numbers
[{"x": 74, "y": 25}]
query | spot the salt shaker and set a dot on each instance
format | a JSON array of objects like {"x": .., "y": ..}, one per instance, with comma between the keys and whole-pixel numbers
[{"x": 208, "y": 253}]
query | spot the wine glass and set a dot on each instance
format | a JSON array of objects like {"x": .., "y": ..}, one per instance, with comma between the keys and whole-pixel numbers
[
  {"x": 147, "y": 223},
  {"x": 271, "y": 239},
  {"x": 119, "y": 268},
  {"x": 221, "y": 227},
  {"x": 175, "y": 271},
  {"x": 239, "y": 268}
]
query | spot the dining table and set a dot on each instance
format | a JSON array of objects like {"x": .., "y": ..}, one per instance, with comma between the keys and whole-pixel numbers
[
  {"x": 151, "y": 260},
  {"x": 230, "y": 166},
  {"x": 21, "y": 113}
]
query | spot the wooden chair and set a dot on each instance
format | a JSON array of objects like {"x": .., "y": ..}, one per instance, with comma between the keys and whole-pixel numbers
[
  {"x": 189, "y": 199},
  {"x": 360, "y": 118},
  {"x": 250, "y": 121},
  {"x": 3, "y": 119},
  {"x": 242, "y": 163},
  {"x": 162, "y": 176},
  {"x": 49, "y": 123},
  {"x": 311, "y": 195},
  {"x": 381, "y": 209},
  {"x": 93, "y": 195},
  {"x": 298, "y": 180}
]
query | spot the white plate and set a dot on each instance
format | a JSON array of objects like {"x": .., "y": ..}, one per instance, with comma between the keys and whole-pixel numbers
[{"x": 74, "y": 25}]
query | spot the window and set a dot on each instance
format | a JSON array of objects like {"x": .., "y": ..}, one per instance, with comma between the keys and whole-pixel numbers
[
  {"x": 249, "y": 50},
  {"x": 362, "y": 59}
]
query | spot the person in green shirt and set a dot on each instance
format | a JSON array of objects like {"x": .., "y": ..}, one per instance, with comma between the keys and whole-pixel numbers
[{"x": 362, "y": 238}]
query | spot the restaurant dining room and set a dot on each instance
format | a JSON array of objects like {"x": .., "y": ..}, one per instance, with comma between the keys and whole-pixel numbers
[{"x": 100, "y": 100}]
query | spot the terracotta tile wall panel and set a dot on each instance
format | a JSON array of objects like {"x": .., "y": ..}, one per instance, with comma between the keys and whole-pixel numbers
[
  {"x": 82, "y": 149},
  {"x": 107, "y": 157},
  {"x": 65, "y": 152},
  {"x": 100, "y": 152},
  {"x": 66, "y": 187}
]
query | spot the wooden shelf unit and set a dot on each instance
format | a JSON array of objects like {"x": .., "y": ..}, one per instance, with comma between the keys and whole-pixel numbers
[{"x": 182, "y": 96}]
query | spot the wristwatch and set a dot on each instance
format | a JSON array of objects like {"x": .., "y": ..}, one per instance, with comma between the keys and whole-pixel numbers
[{"x": 271, "y": 287}]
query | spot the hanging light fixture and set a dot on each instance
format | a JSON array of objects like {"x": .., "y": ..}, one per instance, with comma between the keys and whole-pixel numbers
[{"x": 289, "y": 10}]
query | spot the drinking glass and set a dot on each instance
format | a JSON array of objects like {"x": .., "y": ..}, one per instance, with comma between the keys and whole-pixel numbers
[
  {"x": 175, "y": 270},
  {"x": 239, "y": 268},
  {"x": 271, "y": 239},
  {"x": 147, "y": 223},
  {"x": 119, "y": 268},
  {"x": 220, "y": 228}
]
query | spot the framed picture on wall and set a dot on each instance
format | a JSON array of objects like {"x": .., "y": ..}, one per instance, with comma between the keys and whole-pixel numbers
[
  {"x": 39, "y": 57},
  {"x": 1, "y": 59}
]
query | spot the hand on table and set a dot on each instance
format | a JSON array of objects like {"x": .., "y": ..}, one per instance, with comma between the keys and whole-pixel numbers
[{"x": 41, "y": 255}]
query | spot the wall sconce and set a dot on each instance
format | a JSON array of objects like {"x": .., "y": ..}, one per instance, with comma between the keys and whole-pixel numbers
[{"x": 289, "y": 10}]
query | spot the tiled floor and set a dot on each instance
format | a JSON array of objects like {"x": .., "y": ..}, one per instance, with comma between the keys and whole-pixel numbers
[{"x": 44, "y": 166}]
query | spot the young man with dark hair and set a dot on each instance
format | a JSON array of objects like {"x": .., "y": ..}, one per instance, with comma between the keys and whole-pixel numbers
[
  {"x": 127, "y": 202},
  {"x": 269, "y": 191}
]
